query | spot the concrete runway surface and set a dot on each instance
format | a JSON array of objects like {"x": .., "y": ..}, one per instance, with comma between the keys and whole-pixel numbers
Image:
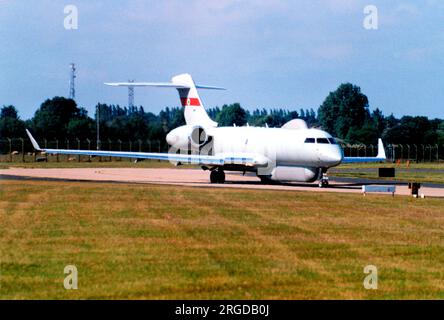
[{"x": 193, "y": 178}]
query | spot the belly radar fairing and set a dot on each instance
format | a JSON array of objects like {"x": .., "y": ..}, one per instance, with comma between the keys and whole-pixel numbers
[{"x": 291, "y": 153}]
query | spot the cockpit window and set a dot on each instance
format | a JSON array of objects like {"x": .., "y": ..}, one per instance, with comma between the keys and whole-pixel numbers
[
  {"x": 332, "y": 140},
  {"x": 310, "y": 140},
  {"x": 323, "y": 140}
]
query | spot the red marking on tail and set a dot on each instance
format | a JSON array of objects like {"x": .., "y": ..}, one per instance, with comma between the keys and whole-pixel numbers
[{"x": 194, "y": 102}]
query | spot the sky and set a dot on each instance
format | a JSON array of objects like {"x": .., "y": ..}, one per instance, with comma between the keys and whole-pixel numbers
[{"x": 267, "y": 53}]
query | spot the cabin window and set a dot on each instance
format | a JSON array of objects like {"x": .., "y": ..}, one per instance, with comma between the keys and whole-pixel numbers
[
  {"x": 310, "y": 140},
  {"x": 323, "y": 140},
  {"x": 332, "y": 140}
]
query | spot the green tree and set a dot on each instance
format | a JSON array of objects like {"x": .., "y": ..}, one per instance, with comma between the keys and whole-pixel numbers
[
  {"x": 10, "y": 124},
  {"x": 52, "y": 119},
  {"x": 232, "y": 114},
  {"x": 378, "y": 121},
  {"x": 440, "y": 132},
  {"x": 367, "y": 134},
  {"x": 411, "y": 130},
  {"x": 343, "y": 110}
]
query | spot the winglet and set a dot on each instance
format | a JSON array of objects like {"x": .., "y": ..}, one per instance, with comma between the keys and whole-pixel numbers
[
  {"x": 34, "y": 143},
  {"x": 381, "y": 150}
]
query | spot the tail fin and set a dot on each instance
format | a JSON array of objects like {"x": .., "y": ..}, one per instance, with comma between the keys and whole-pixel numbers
[
  {"x": 194, "y": 112},
  {"x": 381, "y": 150}
]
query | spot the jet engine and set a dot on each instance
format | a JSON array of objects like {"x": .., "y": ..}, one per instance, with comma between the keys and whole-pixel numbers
[
  {"x": 301, "y": 174},
  {"x": 198, "y": 136},
  {"x": 181, "y": 137}
]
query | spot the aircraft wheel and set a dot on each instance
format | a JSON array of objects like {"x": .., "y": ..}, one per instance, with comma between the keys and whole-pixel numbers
[
  {"x": 265, "y": 179},
  {"x": 213, "y": 176},
  {"x": 221, "y": 177},
  {"x": 217, "y": 176},
  {"x": 323, "y": 184}
]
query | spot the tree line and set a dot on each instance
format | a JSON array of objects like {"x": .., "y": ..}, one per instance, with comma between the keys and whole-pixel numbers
[{"x": 345, "y": 113}]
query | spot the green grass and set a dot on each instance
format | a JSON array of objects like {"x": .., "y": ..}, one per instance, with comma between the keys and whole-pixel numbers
[
  {"x": 93, "y": 164},
  {"x": 415, "y": 172},
  {"x": 411, "y": 165},
  {"x": 165, "y": 242}
]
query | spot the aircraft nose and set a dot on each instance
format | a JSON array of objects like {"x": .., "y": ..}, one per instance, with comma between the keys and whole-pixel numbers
[{"x": 334, "y": 157}]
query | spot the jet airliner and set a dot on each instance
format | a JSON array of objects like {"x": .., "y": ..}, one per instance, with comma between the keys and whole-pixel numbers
[{"x": 290, "y": 153}]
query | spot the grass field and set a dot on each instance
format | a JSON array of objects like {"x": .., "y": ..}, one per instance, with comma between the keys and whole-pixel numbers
[
  {"x": 93, "y": 164},
  {"x": 430, "y": 173},
  {"x": 164, "y": 242}
]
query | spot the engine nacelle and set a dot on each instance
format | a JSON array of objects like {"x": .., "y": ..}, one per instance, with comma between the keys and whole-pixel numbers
[
  {"x": 182, "y": 136},
  {"x": 198, "y": 136},
  {"x": 300, "y": 174}
]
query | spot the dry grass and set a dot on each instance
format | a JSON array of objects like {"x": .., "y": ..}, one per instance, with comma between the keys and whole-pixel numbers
[
  {"x": 125, "y": 163},
  {"x": 164, "y": 242}
]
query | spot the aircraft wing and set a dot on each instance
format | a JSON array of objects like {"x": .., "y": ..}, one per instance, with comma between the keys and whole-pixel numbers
[
  {"x": 380, "y": 157},
  {"x": 220, "y": 159}
]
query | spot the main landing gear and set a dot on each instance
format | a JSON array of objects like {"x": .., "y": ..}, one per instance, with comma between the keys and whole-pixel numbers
[{"x": 217, "y": 176}]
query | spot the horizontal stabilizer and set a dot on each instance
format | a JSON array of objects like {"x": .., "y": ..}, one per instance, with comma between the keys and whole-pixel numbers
[{"x": 160, "y": 85}]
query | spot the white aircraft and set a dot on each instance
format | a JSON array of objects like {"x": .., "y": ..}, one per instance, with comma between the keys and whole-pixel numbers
[{"x": 291, "y": 153}]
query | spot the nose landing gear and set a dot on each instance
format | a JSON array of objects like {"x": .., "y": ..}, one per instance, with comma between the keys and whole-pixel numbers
[
  {"x": 323, "y": 182},
  {"x": 217, "y": 176}
]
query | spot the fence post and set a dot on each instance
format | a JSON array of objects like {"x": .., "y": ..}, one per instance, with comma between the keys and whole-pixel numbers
[
  {"x": 423, "y": 153},
  {"x": 416, "y": 153},
  {"x": 57, "y": 146},
  {"x": 10, "y": 149},
  {"x": 120, "y": 147},
  {"x": 46, "y": 154},
  {"x": 78, "y": 148},
  {"x": 140, "y": 145},
  {"x": 98, "y": 148},
  {"x": 408, "y": 152},
  {"x": 67, "y": 147},
  {"x": 89, "y": 148},
  {"x": 23, "y": 149},
  {"x": 149, "y": 145},
  {"x": 130, "y": 148},
  {"x": 437, "y": 153},
  {"x": 109, "y": 145}
]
